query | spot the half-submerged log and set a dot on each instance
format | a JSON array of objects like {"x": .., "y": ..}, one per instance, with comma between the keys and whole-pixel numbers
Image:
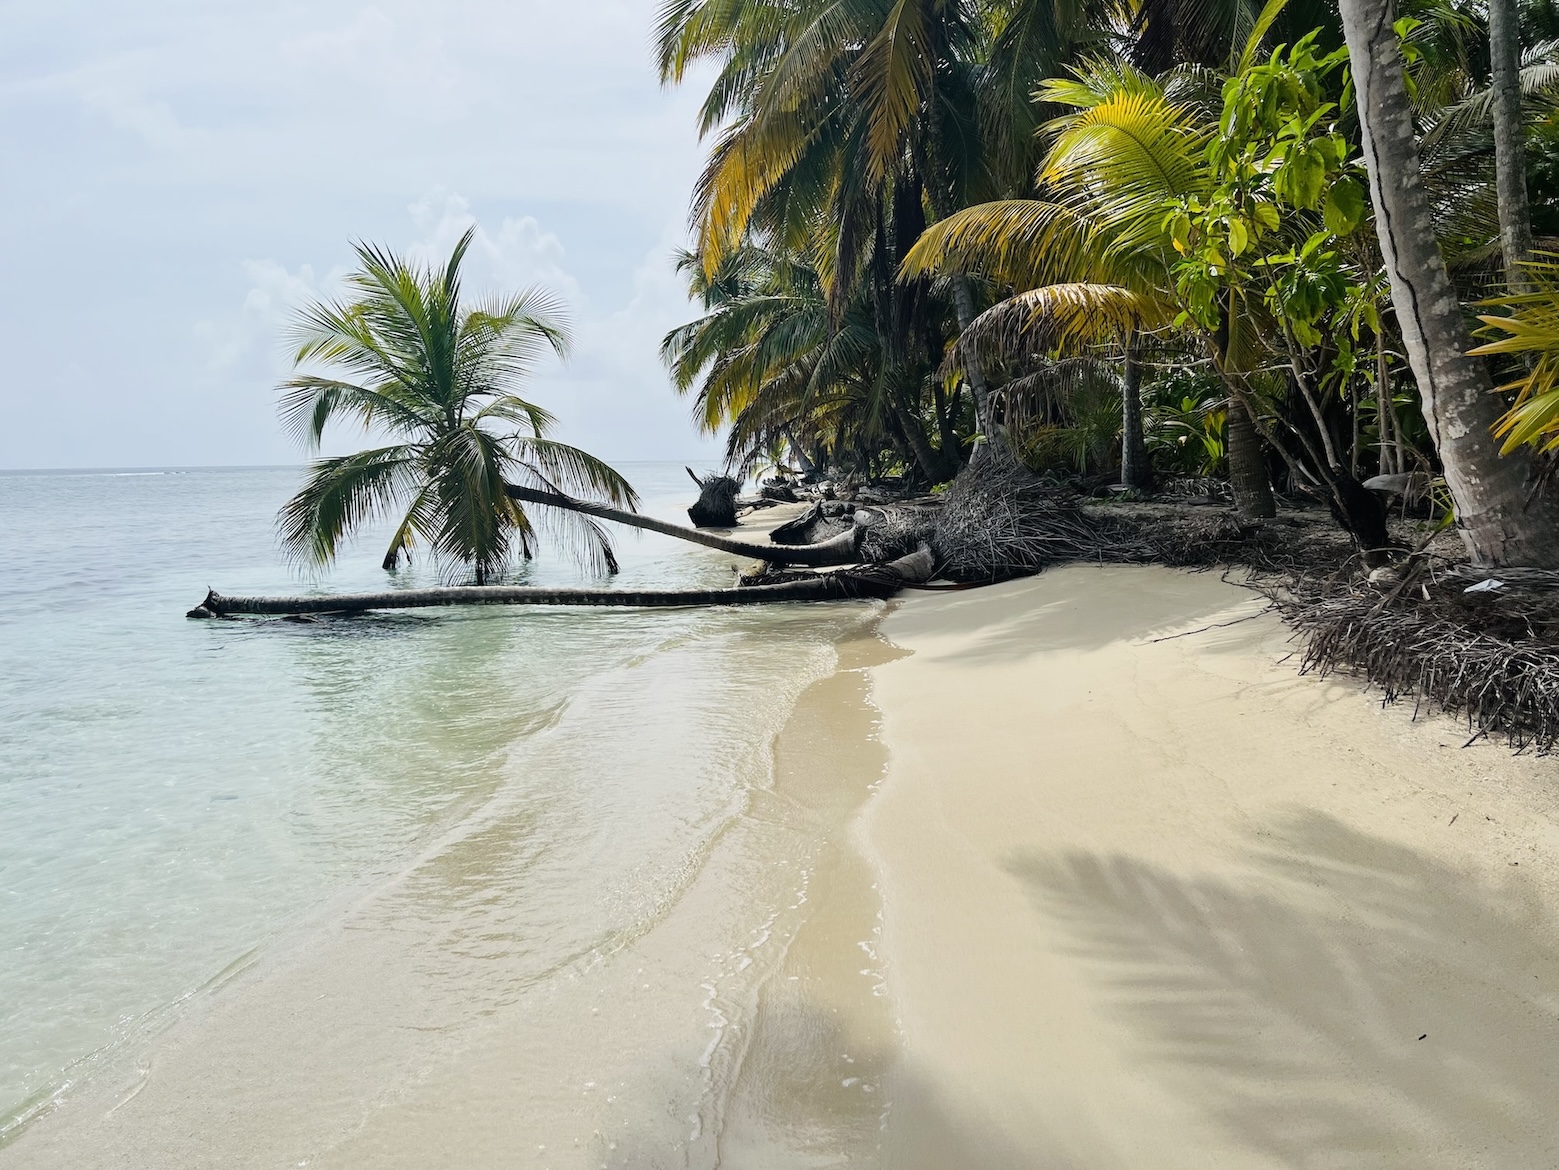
[
  {"x": 716, "y": 506},
  {"x": 872, "y": 581},
  {"x": 843, "y": 549}
]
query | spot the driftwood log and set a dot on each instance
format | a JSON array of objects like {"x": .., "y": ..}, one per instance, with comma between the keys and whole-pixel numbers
[{"x": 872, "y": 581}]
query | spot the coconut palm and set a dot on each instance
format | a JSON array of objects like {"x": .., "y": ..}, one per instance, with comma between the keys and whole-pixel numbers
[
  {"x": 1091, "y": 262},
  {"x": 407, "y": 357},
  {"x": 1500, "y": 518},
  {"x": 829, "y": 110}
]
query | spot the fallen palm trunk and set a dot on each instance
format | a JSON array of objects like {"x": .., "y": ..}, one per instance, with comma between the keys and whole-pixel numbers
[
  {"x": 876, "y": 581},
  {"x": 839, "y": 550}
]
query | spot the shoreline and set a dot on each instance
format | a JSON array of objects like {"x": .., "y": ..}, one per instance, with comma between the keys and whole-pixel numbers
[
  {"x": 1154, "y": 899},
  {"x": 1071, "y": 871},
  {"x": 371, "y": 1036}
]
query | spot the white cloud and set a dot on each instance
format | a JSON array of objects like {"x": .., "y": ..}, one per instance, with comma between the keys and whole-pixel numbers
[{"x": 218, "y": 160}]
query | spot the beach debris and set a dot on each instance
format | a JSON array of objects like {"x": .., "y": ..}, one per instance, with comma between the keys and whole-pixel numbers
[
  {"x": 866, "y": 581},
  {"x": 1490, "y": 585},
  {"x": 1496, "y": 666},
  {"x": 716, "y": 506}
]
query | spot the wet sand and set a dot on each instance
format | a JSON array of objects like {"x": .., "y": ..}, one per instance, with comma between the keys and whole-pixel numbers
[
  {"x": 413, "y": 1026},
  {"x": 1071, "y": 872},
  {"x": 1154, "y": 900}
]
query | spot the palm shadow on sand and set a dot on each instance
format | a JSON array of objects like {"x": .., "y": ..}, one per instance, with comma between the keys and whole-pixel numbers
[{"x": 1357, "y": 1004}]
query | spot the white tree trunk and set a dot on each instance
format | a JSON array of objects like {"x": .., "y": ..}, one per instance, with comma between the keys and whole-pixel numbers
[
  {"x": 1490, "y": 492},
  {"x": 1510, "y": 162}
]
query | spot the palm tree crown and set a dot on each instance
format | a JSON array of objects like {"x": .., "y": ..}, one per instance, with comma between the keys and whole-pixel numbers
[{"x": 407, "y": 357}]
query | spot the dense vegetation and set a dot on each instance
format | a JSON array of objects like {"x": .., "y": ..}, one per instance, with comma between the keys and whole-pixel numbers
[{"x": 1125, "y": 242}]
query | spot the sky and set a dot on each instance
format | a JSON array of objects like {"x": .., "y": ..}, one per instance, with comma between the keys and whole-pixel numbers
[{"x": 179, "y": 175}]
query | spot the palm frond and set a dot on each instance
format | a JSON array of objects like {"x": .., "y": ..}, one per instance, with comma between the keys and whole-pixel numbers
[{"x": 342, "y": 493}]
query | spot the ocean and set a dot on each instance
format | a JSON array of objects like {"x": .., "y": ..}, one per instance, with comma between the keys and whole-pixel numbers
[{"x": 509, "y": 796}]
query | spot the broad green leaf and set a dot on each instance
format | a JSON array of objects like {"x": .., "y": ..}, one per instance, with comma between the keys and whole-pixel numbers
[{"x": 1344, "y": 206}]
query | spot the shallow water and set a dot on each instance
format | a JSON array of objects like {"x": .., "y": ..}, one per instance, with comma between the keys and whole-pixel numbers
[{"x": 519, "y": 792}]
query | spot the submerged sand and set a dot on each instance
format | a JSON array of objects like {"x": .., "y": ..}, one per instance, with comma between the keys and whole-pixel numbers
[
  {"x": 1154, "y": 900},
  {"x": 1071, "y": 872}
]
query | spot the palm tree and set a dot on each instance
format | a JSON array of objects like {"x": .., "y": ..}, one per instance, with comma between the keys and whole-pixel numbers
[
  {"x": 1500, "y": 519},
  {"x": 828, "y": 110},
  {"x": 408, "y": 358},
  {"x": 1092, "y": 260}
]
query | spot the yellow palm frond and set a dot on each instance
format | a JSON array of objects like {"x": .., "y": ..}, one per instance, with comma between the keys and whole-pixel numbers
[
  {"x": 1067, "y": 317},
  {"x": 747, "y": 163},
  {"x": 891, "y": 77},
  {"x": 1019, "y": 242},
  {"x": 1529, "y": 330}
]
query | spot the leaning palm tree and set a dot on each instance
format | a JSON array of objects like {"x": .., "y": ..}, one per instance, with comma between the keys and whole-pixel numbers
[{"x": 407, "y": 357}]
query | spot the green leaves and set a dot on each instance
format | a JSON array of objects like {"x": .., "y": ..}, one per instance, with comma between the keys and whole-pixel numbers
[
  {"x": 1345, "y": 206},
  {"x": 408, "y": 357},
  {"x": 1529, "y": 328}
]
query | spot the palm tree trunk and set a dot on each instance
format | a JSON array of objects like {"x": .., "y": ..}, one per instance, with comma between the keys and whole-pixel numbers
[
  {"x": 843, "y": 549},
  {"x": 821, "y": 588},
  {"x": 933, "y": 464},
  {"x": 1386, "y": 412},
  {"x": 974, "y": 373},
  {"x": 1510, "y": 162},
  {"x": 947, "y": 426},
  {"x": 1247, "y": 466},
  {"x": 878, "y": 581},
  {"x": 1492, "y": 511},
  {"x": 963, "y": 297},
  {"x": 1134, "y": 449}
]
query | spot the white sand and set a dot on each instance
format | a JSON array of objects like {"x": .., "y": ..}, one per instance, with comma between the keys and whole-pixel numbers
[
  {"x": 1165, "y": 903},
  {"x": 1130, "y": 893}
]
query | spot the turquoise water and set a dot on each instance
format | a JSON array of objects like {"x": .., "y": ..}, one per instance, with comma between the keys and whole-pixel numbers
[{"x": 177, "y": 794}]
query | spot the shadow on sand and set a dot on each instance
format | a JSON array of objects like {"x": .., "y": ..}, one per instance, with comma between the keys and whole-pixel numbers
[{"x": 1353, "y": 1003}]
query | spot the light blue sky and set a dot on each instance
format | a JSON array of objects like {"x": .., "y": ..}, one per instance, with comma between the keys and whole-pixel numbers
[{"x": 178, "y": 173}]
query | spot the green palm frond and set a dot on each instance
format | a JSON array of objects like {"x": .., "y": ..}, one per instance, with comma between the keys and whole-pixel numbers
[
  {"x": 891, "y": 79},
  {"x": 342, "y": 493},
  {"x": 407, "y": 355},
  {"x": 574, "y": 472}
]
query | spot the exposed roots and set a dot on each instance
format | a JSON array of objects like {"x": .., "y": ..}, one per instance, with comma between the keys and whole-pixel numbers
[
  {"x": 1491, "y": 659},
  {"x": 1002, "y": 521}
]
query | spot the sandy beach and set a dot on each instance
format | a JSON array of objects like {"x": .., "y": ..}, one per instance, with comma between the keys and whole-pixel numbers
[
  {"x": 1154, "y": 900},
  {"x": 1070, "y": 872}
]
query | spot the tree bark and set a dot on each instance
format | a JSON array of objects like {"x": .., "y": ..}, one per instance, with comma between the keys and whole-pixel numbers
[
  {"x": 843, "y": 549},
  {"x": 1386, "y": 412},
  {"x": 878, "y": 581},
  {"x": 1510, "y": 162},
  {"x": 822, "y": 588},
  {"x": 1497, "y": 523},
  {"x": 934, "y": 464},
  {"x": 984, "y": 404},
  {"x": 1134, "y": 448},
  {"x": 1247, "y": 466}
]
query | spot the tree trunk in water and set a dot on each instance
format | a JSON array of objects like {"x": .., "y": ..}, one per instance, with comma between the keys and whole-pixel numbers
[
  {"x": 875, "y": 581},
  {"x": 843, "y": 549},
  {"x": 1510, "y": 161},
  {"x": 1248, "y": 467},
  {"x": 1134, "y": 449},
  {"x": 1490, "y": 492}
]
